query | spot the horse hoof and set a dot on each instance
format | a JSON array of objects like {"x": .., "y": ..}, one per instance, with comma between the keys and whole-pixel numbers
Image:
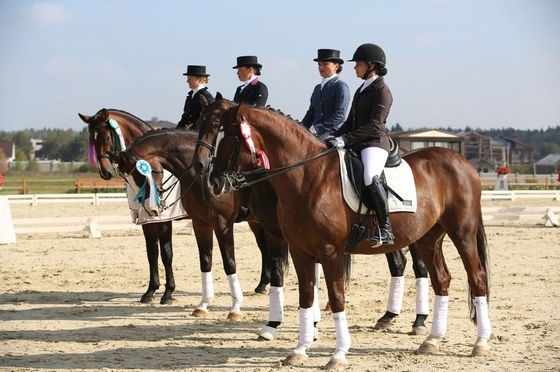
[
  {"x": 147, "y": 299},
  {"x": 427, "y": 348},
  {"x": 381, "y": 325},
  {"x": 336, "y": 365},
  {"x": 199, "y": 313},
  {"x": 166, "y": 301},
  {"x": 295, "y": 360},
  {"x": 418, "y": 331},
  {"x": 480, "y": 351},
  {"x": 236, "y": 317},
  {"x": 261, "y": 289},
  {"x": 267, "y": 334}
]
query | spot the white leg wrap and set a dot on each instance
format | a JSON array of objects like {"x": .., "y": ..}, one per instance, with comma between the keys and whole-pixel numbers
[
  {"x": 235, "y": 290},
  {"x": 484, "y": 330},
  {"x": 422, "y": 296},
  {"x": 343, "y": 340},
  {"x": 276, "y": 304},
  {"x": 305, "y": 327},
  {"x": 207, "y": 290},
  {"x": 396, "y": 293},
  {"x": 316, "y": 304},
  {"x": 439, "y": 325}
]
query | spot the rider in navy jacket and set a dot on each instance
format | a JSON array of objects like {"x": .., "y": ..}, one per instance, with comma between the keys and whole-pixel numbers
[{"x": 252, "y": 91}]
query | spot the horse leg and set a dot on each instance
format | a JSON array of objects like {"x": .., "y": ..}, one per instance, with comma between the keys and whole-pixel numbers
[
  {"x": 279, "y": 259},
  {"x": 166, "y": 248},
  {"x": 397, "y": 264},
  {"x": 304, "y": 265},
  {"x": 259, "y": 233},
  {"x": 471, "y": 245},
  {"x": 151, "y": 233},
  {"x": 422, "y": 292},
  {"x": 227, "y": 250},
  {"x": 204, "y": 240},
  {"x": 430, "y": 247},
  {"x": 316, "y": 306}
]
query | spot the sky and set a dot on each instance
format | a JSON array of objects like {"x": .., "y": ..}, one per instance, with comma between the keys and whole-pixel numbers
[{"x": 486, "y": 64}]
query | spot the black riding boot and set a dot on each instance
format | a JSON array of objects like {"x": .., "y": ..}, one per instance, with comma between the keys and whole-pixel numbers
[{"x": 381, "y": 208}]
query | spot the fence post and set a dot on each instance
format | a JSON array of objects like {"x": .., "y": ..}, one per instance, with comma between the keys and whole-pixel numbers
[{"x": 24, "y": 187}]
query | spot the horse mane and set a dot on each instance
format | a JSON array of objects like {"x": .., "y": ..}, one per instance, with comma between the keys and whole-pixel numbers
[
  {"x": 126, "y": 113},
  {"x": 157, "y": 131}
]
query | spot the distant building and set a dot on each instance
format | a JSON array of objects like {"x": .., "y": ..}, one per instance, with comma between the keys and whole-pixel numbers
[
  {"x": 548, "y": 164},
  {"x": 37, "y": 144},
  {"x": 7, "y": 151},
  {"x": 416, "y": 139},
  {"x": 487, "y": 153}
]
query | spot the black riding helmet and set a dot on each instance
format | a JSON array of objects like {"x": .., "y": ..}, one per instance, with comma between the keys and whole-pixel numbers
[{"x": 371, "y": 54}]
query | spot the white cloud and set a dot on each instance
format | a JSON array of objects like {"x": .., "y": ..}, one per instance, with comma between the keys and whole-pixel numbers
[{"x": 47, "y": 13}]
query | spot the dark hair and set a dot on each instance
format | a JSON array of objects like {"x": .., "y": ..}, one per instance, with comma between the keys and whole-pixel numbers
[
  {"x": 381, "y": 71},
  {"x": 339, "y": 69},
  {"x": 257, "y": 70}
]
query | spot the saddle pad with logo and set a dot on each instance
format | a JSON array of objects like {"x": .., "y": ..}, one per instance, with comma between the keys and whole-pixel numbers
[
  {"x": 400, "y": 179},
  {"x": 139, "y": 214}
]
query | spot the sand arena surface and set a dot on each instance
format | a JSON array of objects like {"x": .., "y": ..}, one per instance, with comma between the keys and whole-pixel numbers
[{"x": 70, "y": 303}]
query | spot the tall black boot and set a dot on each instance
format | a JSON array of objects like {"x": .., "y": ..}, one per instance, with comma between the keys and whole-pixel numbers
[{"x": 381, "y": 208}]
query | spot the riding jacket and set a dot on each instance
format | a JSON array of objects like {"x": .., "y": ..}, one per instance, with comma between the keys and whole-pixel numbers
[
  {"x": 365, "y": 125},
  {"x": 192, "y": 109},
  {"x": 255, "y": 93},
  {"x": 328, "y": 107}
]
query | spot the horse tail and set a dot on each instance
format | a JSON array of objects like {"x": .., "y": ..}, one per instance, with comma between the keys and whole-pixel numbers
[
  {"x": 347, "y": 270},
  {"x": 482, "y": 248}
]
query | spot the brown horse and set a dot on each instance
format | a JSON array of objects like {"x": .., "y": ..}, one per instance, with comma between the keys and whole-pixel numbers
[
  {"x": 316, "y": 221},
  {"x": 144, "y": 161},
  {"x": 105, "y": 139},
  {"x": 209, "y": 124}
]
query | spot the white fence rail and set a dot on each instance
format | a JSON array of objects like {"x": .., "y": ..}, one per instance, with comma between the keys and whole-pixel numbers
[
  {"x": 99, "y": 198},
  {"x": 91, "y": 225},
  {"x": 547, "y": 214}
]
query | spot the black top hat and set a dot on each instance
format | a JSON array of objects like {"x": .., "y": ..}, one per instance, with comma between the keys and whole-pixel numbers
[
  {"x": 196, "y": 71},
  {"x": 332, "y": 55},
  {"x": 247, "y": 61}
]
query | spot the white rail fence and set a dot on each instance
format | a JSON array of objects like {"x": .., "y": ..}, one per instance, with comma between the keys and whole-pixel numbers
[{"x": 94, "y": 226}]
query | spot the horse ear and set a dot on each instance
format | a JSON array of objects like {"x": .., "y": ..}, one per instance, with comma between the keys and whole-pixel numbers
[
  {"x": 219, "y": 96},
  {"x": 86, "y": 119},
  {"x": 103, "y": 114},
  {"x": 203, "y": 101},
  {"x": 240, "y": 109}
]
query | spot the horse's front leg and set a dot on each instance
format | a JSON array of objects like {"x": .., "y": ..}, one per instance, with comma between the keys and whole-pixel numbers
[
  {"x": 397, "y": 264},
  {"x": 151, "y": 233},
  {"x": 224, "y": 235},
  {"x": 166, "y": 247},
  {"x": 204, "y": 240},
  {"x": 305, "y": 270},
  {"x": 422, "y": 292},
  {"x": 279, "y": 260}
]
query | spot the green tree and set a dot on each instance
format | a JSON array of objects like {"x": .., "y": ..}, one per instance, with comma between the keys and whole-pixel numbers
[{"x": 23, "y": 142}]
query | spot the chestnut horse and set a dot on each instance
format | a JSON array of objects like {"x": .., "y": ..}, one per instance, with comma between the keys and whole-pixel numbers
[
  {"x": 209, "y": 124},
  {"x": 316, "y": 221},
  {"x": 105, "y": 139},
  {"x": 146, "y": 158}
]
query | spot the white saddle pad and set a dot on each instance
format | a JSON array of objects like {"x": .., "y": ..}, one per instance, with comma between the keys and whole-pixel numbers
[
  {"x": 139, "y": 214},
  {"x": 400, "y": 179}
]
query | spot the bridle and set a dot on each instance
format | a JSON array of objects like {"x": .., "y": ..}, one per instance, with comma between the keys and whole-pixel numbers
[
  {"x": 238, "y": 179},
  {"x": 210, "y": 147}
]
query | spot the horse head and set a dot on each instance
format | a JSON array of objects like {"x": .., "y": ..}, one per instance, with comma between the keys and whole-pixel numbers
[{"x": 208, "y": 132}]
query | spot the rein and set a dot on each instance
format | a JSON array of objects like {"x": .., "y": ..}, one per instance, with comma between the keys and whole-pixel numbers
[{"x": 240, "y": 177}]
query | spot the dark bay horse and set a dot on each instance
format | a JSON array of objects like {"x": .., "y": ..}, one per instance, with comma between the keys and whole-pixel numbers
[
  {"x": 316, "y": 221},
  {"x": 146, "y": 158},
  {"x": 209, "y": 124},
  {"x": 104, "y": 139}
]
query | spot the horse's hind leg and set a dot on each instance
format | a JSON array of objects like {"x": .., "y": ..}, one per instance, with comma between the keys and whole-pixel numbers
[
  {"x": 150, "y": 231},
  {"x": 397, "y": 264},
  {"x": 266, "y": 259},
  {"x": 166, "y": 247}
]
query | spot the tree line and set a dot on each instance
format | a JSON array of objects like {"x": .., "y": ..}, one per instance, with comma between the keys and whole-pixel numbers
[{"x": 70, "y": 145}]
